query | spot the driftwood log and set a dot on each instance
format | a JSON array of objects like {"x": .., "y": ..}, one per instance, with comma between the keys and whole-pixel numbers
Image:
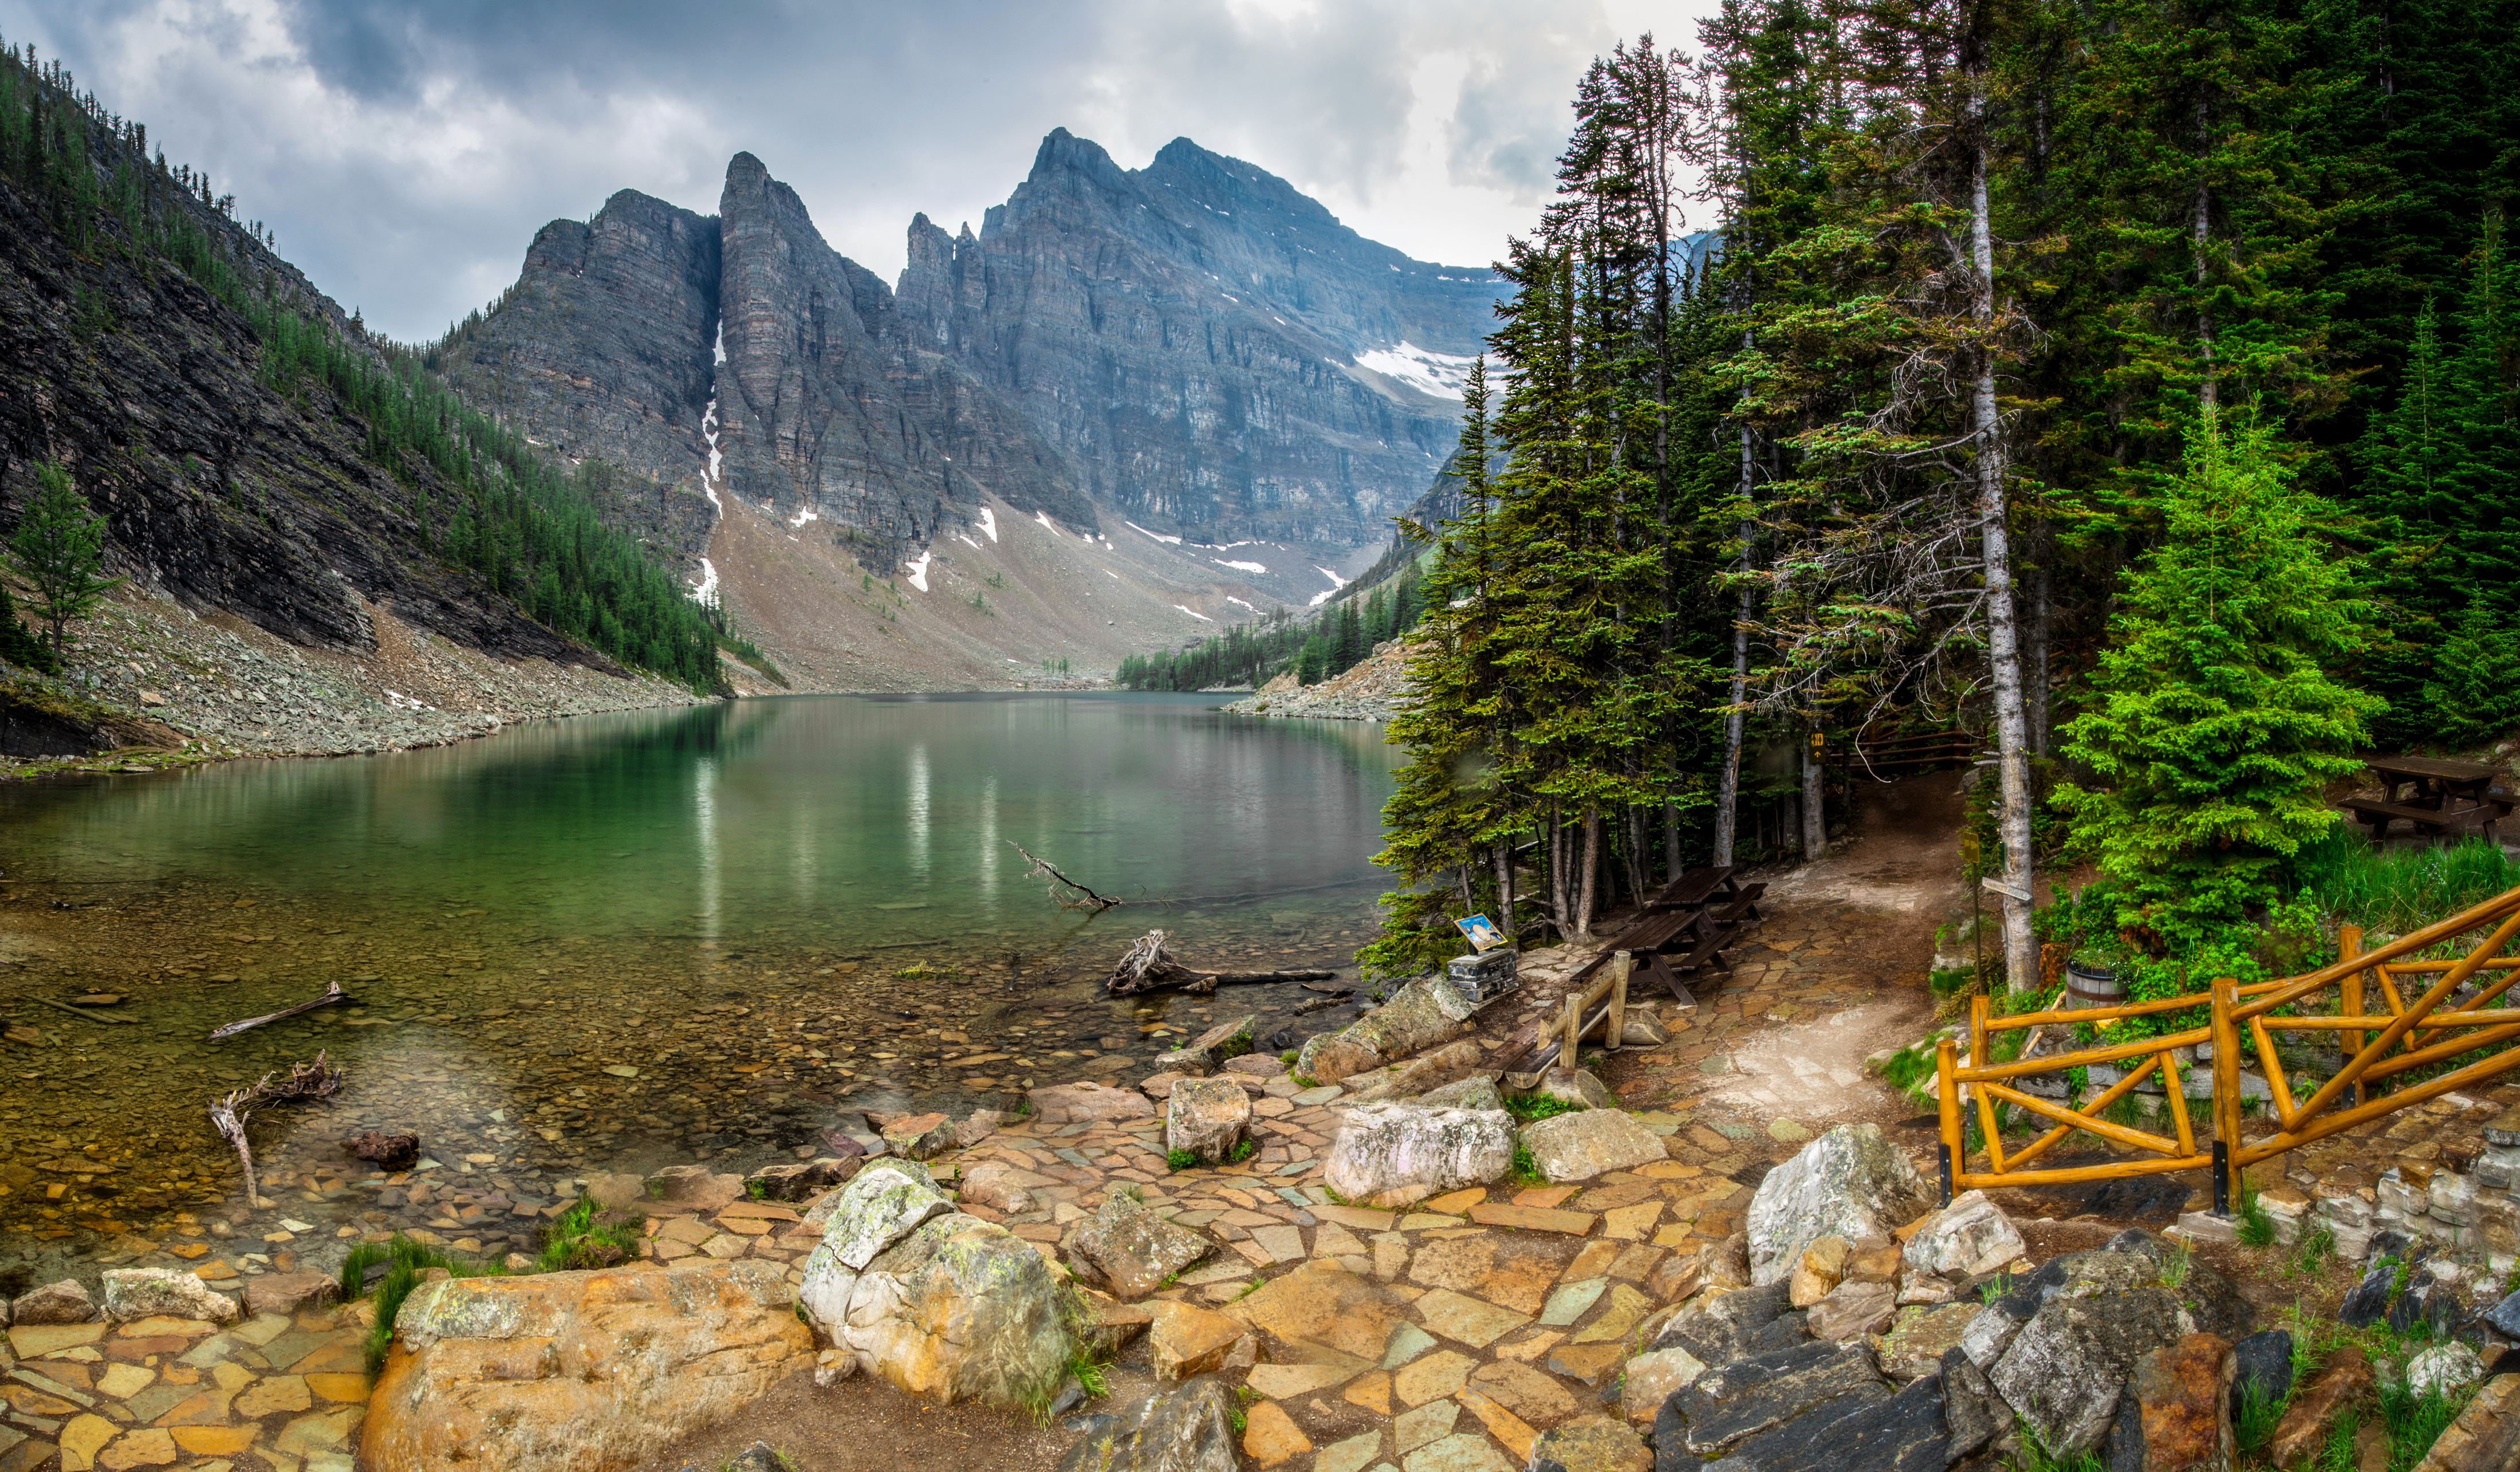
[
  {"x": 1069, "y": 894},
  {"x": 1149, "y": 967},
  {"x": 332, "y": 994},
  {"x": 233, "y": 1114}
]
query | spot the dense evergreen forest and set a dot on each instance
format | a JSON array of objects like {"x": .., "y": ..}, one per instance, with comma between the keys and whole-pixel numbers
[
  {"x": 486, "y": 499},
  {"x": 1330, "y": 642},
  {"x": 2134, "y": 384}
]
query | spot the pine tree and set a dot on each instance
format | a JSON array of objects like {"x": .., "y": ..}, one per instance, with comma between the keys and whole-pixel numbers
[
  {"x": 2215, "y": 723},
  {"x": 59, "y": 550}
]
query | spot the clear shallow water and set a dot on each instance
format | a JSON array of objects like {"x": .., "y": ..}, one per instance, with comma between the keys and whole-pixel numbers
[{"x": 685, "y": 895}]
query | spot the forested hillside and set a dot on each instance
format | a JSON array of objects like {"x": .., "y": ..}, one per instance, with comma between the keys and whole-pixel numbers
[
  {"x": 255, "y": 453},
  {"x": 2051, "y": 353}
]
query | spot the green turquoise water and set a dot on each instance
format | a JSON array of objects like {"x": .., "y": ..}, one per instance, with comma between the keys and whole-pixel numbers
[{"x": 618, "y": 941}]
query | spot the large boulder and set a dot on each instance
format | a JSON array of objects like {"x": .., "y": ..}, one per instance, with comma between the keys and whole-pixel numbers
[
  {"x": 1331, "y": 1057},
  {"x": 1207, "y": 1118},
  {"x": 1851, "y": 1181},
  {"x": 2061, "y": 1347},
  {"x": 1425, "y": 1013},
  {"x": 878, "y": 1207},
  {"x": 1389, "y": 1155},
  {"x": 691, "y": 1187},
  {"x": 150, "y": 1292},
  {"x": 577, "y": 1371},
  {"x": 1761, "y": 1391},
  {"x": 1589, "y": 1142},
  {"x": 1969, "y": 1238},
  {"x": 1477, "y": 1091},
  {"x": 1129, "y": 1250},
  {"x": 1187, "y": 1428},
  {"x": 1862, "y": 1431},
  {"x": 962, "y": 1310},
  {"x": 1070, "y": 1103},
  {"x": 1730, "y": 1325},
  {"x": 1430, "y": 1070}
]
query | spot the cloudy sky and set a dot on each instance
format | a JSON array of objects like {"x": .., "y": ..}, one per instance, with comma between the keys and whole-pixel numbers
[{"x": 405, "y": 150}]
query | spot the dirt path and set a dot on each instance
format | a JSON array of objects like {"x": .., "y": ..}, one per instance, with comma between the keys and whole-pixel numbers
[{"x": 1836, "y": 972}]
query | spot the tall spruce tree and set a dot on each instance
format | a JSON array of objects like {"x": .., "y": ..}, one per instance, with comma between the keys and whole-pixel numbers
[{"x": 2214, "y": 722}]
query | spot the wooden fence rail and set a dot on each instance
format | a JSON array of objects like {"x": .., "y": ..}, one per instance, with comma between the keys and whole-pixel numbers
[{"x": 2398, "y": 1037}]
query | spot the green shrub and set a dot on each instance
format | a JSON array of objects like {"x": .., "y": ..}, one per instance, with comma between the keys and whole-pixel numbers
[
  {"x": 587, "y": 1236},
  {"x": 1234, "y": 1047},
  {"x": 1246, "y": 1148},
  {"x": 1532, "y": 1107},
  {"x": 1526, "y": 1170},
  {"x": 1180, "y": 1160}
]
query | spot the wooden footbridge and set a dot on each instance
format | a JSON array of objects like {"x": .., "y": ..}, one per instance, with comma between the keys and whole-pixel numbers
[{"x": 2392, "y": 1009}]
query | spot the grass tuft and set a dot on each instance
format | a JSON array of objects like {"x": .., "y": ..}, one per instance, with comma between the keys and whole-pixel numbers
[
  {"x": 1532, "y": 1107},
  {"x": 406, "y": 1264},
  {"x": 587, "y": 1236}
]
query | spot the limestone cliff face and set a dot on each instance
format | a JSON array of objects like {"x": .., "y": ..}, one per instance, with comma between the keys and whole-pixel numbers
[
  {"x": 603, "y": 347},
  {"x": 824, "y": 403},
  {"x": 1212, "y": 350}
]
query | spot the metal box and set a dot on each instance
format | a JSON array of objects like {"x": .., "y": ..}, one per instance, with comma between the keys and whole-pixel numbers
[{"x": 1480, "y": 979}]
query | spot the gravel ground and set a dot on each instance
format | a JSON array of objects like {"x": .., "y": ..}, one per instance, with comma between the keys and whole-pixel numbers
[
  {"x": 1370, "y": 691},
  {"x": 232, "y": 690}
]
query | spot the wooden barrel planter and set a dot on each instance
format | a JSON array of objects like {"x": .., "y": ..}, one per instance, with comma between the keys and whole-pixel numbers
[{"x": 2091, "y": 984}]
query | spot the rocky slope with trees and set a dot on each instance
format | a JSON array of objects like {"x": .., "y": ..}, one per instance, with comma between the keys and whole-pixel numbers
[{"x": 253, "y": 454}]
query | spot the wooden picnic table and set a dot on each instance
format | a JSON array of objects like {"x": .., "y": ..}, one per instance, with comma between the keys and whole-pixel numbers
[
  {"x": 1695, "y": 889},
  {"x": 2429, "y": 809},
  {"x": 2435, "y": 781}
]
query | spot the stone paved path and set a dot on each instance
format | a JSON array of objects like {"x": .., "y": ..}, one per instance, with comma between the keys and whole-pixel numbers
[{"x": 279, "y": 1391}]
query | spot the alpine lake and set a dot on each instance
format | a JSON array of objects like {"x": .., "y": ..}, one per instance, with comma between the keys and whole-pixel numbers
[{"x": 616, "y": 942}]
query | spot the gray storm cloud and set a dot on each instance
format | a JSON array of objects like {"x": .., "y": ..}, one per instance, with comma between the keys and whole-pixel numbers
[{"x": 406, "y": 153}]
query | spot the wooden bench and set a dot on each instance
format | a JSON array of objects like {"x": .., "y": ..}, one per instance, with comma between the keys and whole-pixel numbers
[
  {"x": 1744, "y": 907},
  {"x": 2379, "y": 815}
]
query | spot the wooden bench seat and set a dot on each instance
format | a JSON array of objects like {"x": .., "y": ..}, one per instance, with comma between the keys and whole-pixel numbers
[
  {"x": 1745, "y": 907},
  {"x": 2379, "y": 815}
]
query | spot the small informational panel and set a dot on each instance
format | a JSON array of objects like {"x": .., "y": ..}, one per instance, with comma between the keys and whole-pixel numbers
[{"x": 1482, "y": 932}]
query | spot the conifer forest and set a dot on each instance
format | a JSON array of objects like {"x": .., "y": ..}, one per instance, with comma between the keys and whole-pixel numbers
[{"x": 2134, "y": 387}]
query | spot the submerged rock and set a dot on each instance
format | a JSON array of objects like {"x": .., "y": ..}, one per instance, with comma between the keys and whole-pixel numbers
[{"x": 65, "y": 1302}]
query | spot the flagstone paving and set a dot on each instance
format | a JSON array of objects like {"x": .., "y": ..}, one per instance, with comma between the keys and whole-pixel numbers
[{"x": 1441, "y": 1337}]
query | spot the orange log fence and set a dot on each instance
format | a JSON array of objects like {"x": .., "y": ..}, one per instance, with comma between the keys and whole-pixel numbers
[{"x": 2392, "y": 1015}]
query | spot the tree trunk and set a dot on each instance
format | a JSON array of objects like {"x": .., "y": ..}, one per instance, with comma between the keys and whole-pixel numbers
[
  {"x": 1727, "y": 781},
  {"x": 2043, "y": 616},
  {"x": 1504, "y": 889},
  {"x": 2002, "y": 641},
  {"x": 1591, "y": 866},
  {"x": 1815, "y": 819}
]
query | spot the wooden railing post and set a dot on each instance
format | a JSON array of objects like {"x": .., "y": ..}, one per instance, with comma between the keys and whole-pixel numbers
[
  {"x": 1614, "y": 1027},
  {"x": 2227, "y": 1092},
  {"x": 2348, "y": 945},
  {"x": 1948, "y": 1105}
]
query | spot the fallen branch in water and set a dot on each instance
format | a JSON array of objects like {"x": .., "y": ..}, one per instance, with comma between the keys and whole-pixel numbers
[
  {"x": 1149, "y": 968},
  {"x": 80, "y": 1012},
  {"x": 332, "y": 994},
  {"x": 1041, "y": 870},
  {"x": 231, "y": 1115}
]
